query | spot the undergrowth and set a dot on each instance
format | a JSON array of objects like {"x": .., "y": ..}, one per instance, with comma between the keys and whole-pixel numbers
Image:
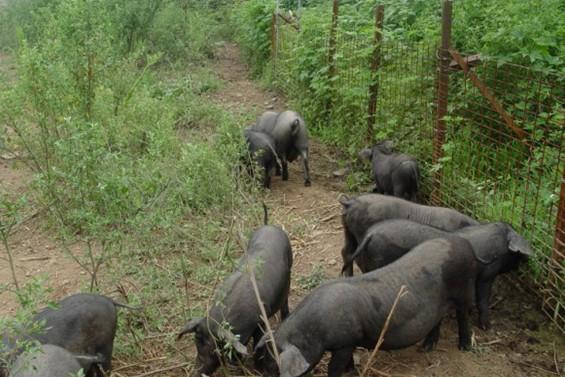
[{"x": 131, "y": 160}]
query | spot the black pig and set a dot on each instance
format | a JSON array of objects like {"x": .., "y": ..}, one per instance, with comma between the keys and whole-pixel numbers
[
  {"x": 343, "y": 314},
  {"x": 358, "y": 214},
  {"x": 497, "y": 246},
  {"x": 51, "y": 361},
  {"x": 235, "y": 315},
  {"x": 261, "y": 147},
  {"x": 82, "y": 324},
  {"x": 394, "y": 173},
  {"x": 288, "y": 130}
]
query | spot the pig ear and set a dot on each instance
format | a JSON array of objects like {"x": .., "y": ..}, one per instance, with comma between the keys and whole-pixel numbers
[
  {"x": 388, "y": 145},
  {"x": 190, "y": 327},
  {"x": 261, "y": 343},
  {"x": 294, "y": 126},
  {"x": 293, "y": 364},
  {"x": 346, "y": 202},
  {"x": 517, "y": 243},
  {"x": 366, "y": 154},
  {"x": 230, "y": 338}
]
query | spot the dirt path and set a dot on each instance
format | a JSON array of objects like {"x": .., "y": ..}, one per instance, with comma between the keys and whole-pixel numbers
[
  {"x": 35, "y": 249},
  {"x": 311, "y": 216},
  {"x": 521, "y": 343}
]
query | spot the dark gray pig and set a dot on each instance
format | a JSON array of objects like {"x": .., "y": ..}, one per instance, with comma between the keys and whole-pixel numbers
[
  {"x": 358, "y": 214},
  {"x": 497, "y": 246},
  {"x": 394, "y": 173},
  {"x": 51, "y": 361},
  {"x": 82, "y": 324},
  {"x": 235, "y": 315},
  {"x": 288, "y": 130},
  {"x": 343, "y": 314},
  {"x": 261, "y": 147}
]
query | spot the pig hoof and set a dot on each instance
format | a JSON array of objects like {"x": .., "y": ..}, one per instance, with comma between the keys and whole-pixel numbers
[
  {"x": 484, "y": 326},
  {"x": 465, "y": 346},
  {"x": 307, "y": 183}
]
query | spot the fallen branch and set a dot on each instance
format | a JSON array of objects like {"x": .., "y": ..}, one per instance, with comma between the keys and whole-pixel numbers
[
  {"x": 555, "y": 360},
  {"x": 401, "y": 293},
  {"x": 534, "y": 367},
  {"x": 496, "y": 341},
  {"x": 332, "y": 216},
  {"x": 24, "y": 220},
  {"x": 264, "y": 316},
  {"x": 30, "y": 259}
]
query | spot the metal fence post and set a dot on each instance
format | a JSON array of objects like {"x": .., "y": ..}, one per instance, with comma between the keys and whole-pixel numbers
[
  {"x": 332, "y": 49},
  {"x": 442, "y": 93},
  {"x": 375, "y": 63},
  {"x": 274, "y": 43}
]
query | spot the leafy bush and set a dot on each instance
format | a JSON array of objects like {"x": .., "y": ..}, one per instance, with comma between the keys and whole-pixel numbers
[
  {"x": 186, "y": 33},
  {"x": 253, "y": 22},
  {"x": 19, "y": 17},
  {"x": 102, "y": 134}
]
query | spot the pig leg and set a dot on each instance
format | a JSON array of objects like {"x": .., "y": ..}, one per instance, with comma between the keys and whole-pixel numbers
[
  {"x": 400, "y": 191},
  {"x": 103, "y": 369},
  {"x": 347, "y": 252},
  {"x": 432, "y": 338},
  {"x": 284, "y": 309},
  {"x": 306, "y": 169},
  {"x": 483, "y": 297},
  {"x": 462, "y": 312},
  {"x": 284, "y": 168},
  {"x": 277, "y": 169},
  {"x": 340, "y": 362},
  {"x": 267, "y": 177}
]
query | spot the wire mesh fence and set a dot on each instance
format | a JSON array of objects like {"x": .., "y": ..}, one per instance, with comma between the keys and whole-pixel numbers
[
  {"x": 501, "y": 156},
  {"x": 497, "y": 172}
]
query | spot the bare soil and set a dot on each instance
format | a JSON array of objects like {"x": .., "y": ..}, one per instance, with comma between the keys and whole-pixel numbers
[{"x": 521, "y": 343}]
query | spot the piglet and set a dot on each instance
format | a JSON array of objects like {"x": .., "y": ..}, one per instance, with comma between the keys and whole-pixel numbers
[{"x": 235, "y": 314}]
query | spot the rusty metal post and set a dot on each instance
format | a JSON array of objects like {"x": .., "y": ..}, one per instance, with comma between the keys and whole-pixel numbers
[
  {"x": 332, "y": 49},
  {"x": 442, "y": 93},
  {"x": 274, "y": 43},
  {"x": 559, "y": 239},
  {"x": 558, "y": 253},
  {"x": 375, "y": 63}
]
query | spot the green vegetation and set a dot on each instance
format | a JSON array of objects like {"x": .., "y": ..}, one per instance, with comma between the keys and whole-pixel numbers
[
  {"x": 485, "y": 172},
  {"x": 131, "y": 161},
  {"x": 316, "y": 277},
  {"x": 134, "y": 164}
]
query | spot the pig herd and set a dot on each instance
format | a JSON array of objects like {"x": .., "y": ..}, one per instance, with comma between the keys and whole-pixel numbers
[{"x": 443, "y": 259}]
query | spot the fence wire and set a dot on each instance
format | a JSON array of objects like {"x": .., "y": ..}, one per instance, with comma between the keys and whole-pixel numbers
[
  {"x": 486, "y": 169},
  {"x": 494, "y": 174}
]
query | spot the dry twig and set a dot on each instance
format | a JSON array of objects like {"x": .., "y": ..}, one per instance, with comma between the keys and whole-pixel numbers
[
  {"x": 264, "y": 316},
  {"x": 328, "y": 218},
  {"x": 401, "y": 293},
  {"x": 534, "y": 367},
  {"x": 30, "y": 259},
  {"x": 555, "y": 360},
  {"x": 156, "y": 371}
]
